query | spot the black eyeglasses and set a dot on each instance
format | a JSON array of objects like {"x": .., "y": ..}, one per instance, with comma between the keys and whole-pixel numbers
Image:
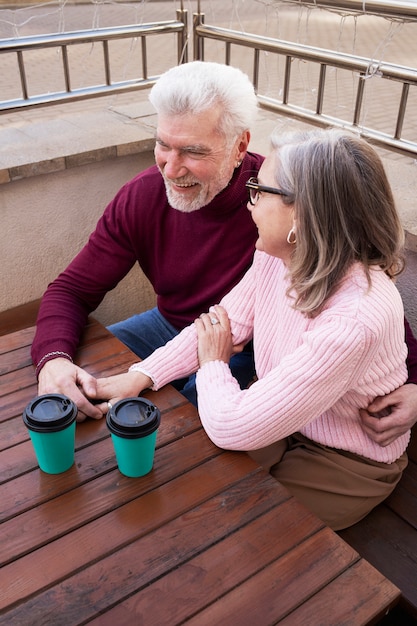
[{"x": 254, "y": 188}]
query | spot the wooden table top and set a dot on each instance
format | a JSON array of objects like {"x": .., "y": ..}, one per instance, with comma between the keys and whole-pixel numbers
[{"x": 207, "y": 537}]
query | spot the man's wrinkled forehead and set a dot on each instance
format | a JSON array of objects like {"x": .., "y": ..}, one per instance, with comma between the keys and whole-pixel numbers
[
  {"x": 200, "y": 130},
  {"x": 184, "y": 145}
]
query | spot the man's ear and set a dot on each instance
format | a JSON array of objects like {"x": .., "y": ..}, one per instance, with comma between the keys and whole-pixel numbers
[{"x": 242, "y": 146}]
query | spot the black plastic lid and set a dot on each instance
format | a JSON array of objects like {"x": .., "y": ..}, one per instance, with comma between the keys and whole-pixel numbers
[
  {"x": 49, "y": 413},
  {"x": 133, "y": 418}
]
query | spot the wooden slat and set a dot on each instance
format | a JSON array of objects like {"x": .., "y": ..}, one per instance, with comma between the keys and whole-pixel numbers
[
  {"x": 283, "y": 585},
  {"x": 13, "y": 403},
  {"x": 89, "y": 500},
  {"x": 103, "y": 349},
  {"x": 387, "y": 536},
  {"x": 93, "y": 331},
  {"x": 16, "y": 461},
  {"x": 112, "y": 540},
  {"x": 190, "y": 587},
  {"x": 347, "y": 603},
  {"x": 14, "y": 360},
  {"x": 21, "y": 339},
  {"x": 390, "y": 545},
  {"x": 12, "y": 433},
  {"x": 16, "y": 379}
]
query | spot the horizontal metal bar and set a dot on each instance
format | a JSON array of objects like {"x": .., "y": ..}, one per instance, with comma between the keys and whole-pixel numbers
[
  {"x": 77, "y": 94},
  {"x": 310, "y": 53},
  {"x": 402, "y": 146},
  {"x": 88, "y": 36},
  {"x": 405, "y": 10}
]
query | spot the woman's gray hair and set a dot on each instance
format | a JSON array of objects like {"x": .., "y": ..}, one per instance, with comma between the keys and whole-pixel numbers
[
  {"x": 344, "y": 211},
  {"x": 197, "y": 86}
]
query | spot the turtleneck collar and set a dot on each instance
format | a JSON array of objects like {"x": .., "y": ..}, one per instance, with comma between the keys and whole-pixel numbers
[{"x": 234, "y": 195}]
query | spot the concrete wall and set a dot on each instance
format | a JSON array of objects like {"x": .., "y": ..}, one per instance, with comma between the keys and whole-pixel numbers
[{"x": 46, "y": 219}]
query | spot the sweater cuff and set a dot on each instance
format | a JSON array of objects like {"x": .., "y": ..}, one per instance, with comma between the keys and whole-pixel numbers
[{"x": 137, "y": 367}]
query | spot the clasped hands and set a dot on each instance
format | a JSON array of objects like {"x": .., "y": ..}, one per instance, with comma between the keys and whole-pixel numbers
[{"x": 92, "y": 395}]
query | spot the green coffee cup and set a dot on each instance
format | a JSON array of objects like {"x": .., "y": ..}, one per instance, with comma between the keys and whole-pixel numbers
[
  {"x": 50, "y": 420},
  {"x": 133, "y": 425}
]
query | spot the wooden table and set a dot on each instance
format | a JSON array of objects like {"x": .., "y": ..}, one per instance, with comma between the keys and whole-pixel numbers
[{"x": 207, "y": 537}]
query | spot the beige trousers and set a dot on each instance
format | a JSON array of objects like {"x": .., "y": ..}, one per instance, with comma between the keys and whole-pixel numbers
[{"x": 339, "y": 487}]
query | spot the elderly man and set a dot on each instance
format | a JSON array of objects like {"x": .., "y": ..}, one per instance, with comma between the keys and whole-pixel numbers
[{"x": 184, "y": 221}]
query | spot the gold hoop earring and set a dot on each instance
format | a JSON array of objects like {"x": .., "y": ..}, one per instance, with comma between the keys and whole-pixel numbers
[{"x": 292, "y": 237}]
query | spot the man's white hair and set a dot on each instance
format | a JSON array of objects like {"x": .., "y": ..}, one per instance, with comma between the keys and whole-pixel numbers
[{"x": 199, "y": 85}]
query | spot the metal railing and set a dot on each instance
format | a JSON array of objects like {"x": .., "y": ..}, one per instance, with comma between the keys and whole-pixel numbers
[
  {"x": 386, "y": 8},
  {"x": 364, "y": 68},
  {"x": 63, "y": 41}
]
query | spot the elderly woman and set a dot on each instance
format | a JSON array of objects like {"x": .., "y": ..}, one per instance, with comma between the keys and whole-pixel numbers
[{"x": 327, "y": 323}]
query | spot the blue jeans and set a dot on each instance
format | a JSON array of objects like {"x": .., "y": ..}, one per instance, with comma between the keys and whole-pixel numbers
[{"x": 145, "y": 332}]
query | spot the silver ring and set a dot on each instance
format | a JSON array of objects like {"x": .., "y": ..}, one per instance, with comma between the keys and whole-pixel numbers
[
  {"x": 214, "y": 320},
  {"x": 109, "y": 406}
]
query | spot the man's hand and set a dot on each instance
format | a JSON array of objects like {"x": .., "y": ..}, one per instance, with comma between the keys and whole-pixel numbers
[
  {"x": 62, "y": 376},
  {"x": 399, "y": 410}
]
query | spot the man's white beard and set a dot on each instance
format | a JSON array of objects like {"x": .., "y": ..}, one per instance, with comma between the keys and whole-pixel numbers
[{"x": 177, "y": 200}]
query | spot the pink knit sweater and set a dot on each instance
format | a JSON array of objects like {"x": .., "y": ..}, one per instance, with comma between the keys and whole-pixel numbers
[{"x": 313, "y": 374}]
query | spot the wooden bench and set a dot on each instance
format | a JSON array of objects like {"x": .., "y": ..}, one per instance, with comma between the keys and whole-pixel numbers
[
  {"x": 19, "y": 317},
  {"x": 387, "y": 537}
]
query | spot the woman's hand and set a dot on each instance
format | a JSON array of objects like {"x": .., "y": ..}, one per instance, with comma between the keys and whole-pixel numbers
[
  {"x": 115, "y": 388},
  {"x": 214, "y": 336}
]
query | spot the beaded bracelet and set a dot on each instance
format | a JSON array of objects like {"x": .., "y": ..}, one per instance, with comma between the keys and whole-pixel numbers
[{"x": 55, "y": 353}]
